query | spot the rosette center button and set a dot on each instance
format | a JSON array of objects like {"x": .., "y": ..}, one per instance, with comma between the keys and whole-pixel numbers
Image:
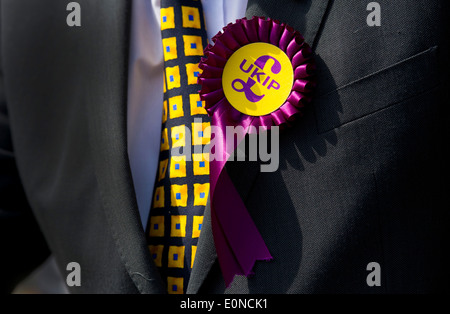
[{"x": 257, "y": 79}]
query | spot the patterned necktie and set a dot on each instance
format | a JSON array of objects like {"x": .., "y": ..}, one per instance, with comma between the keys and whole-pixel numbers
[{"x": 182, "y": 185}]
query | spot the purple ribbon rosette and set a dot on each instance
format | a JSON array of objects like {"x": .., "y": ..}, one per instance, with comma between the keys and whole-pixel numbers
[{"x": 257, "y": 74}]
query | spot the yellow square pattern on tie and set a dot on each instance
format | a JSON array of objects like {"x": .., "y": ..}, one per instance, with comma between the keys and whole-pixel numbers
[
  {"x": 193, "y": 71},
  {"x": 170, "y": 48},
  {"x": 175, "y": 224},
  {"x": 167, "y": 18},
  {"x": 178, "y": 134},
  {"x": 197, "y": 106},
  {"x": 176, "y": 257},
  {"x": 201, "y": 164},
  {"x": 165, "y": 87},
  {"x": 164, "y": 117},
  {"x": 201, "y": 193},
  {"x": 177, "y": 167},
  {"x": 175, "y": 285},
  {"x": 179, "y": 195},
  {"x": 178, "y": 226},
  {"x": 173, "y": 77},
  {"x": 193, "y": 252},
  {"x": 162, "y": 169},
  {"x": 201, "y": 133},
  {"x": 197, "y": 226},
  {"x": 191, "y": 17},
  {"x": 156, "y": 252},
  {"x": 157, "y": 226},
  {"x": 164, "y": 140},
  {"x": 176, "y": 107},
  {"x": 193, "y": 45},
  {"x": 158, "y": 199}
]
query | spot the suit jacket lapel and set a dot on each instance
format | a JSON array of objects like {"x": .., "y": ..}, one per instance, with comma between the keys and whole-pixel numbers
[
  {"x": 306, "y": 16},
  {"x": 107, "y": 45}
]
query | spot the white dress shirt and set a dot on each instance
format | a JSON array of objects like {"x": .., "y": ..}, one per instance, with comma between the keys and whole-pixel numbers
[{"x": 145, "y": 87}]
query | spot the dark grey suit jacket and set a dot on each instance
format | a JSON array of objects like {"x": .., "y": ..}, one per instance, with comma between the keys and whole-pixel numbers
[{"x": 361, "y": 175}]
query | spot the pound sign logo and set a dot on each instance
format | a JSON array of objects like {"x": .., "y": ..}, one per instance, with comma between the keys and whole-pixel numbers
[{"x": 258, "y": 73}]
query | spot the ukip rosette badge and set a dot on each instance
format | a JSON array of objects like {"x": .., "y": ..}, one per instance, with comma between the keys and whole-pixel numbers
[{"x": 257, "y": 74}]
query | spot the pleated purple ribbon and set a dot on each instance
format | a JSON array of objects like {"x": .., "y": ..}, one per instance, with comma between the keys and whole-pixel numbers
[{"x": 237, "y": 240}]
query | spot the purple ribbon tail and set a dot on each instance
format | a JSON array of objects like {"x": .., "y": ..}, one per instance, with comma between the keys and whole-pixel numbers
[{"x": 238, "y": 242}]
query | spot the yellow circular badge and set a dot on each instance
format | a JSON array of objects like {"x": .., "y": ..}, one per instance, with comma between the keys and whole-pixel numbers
[{"x": 257, "y": 79}]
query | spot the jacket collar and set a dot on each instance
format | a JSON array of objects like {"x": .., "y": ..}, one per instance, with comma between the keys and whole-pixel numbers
[{"x": 106, "y": 75}]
